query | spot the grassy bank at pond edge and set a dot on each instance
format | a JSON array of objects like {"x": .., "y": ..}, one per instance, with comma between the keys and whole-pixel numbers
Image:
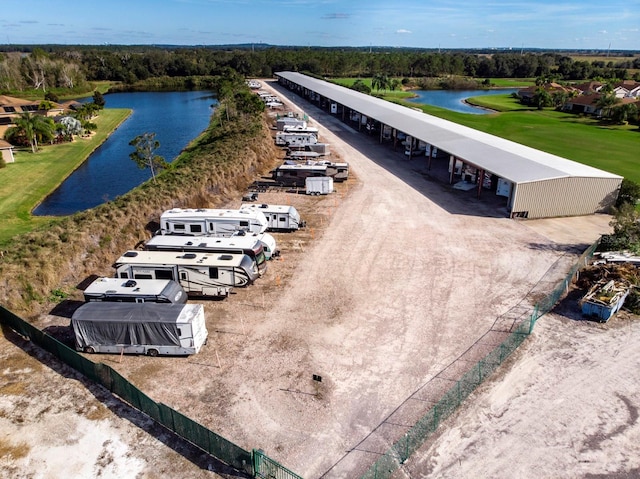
[
  {"x": 25, "y": 183},
  {"x": 42, "y": 267}
]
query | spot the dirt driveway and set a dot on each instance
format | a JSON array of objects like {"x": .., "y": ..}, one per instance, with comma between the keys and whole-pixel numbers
[{"x": 395, "y": 277}]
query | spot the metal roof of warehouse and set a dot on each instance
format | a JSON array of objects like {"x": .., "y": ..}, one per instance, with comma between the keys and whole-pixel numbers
[{"x": 507, "y": 159}]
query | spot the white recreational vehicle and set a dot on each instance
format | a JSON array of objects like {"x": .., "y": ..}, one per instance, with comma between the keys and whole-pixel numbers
[
  {"x": 139, "y": 328},
  {"x": 280, "y": 217},
  {"x": 295, "y": 174},
  {"x": 269, "y": 243},
  {"x": 238, "y": 244},
  {"x": 135, "y": 291},
  {"x": 200, "y": 274},
  {"x": 285, "y": 138},
  {"x": 211, "y": 222}
]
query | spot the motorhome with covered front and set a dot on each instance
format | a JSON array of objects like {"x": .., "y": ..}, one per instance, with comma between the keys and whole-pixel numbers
[
  {"x": 238, "y": 244},
  {"x": 135, "y": 291},
  {"x": 280, "y": 217},
  {"x": 211, "y": 222},
  {"x": 200, "y": 274},
  {"x": 139, "y": 328}
]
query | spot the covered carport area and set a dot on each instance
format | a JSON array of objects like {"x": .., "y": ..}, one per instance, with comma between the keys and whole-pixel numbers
[{"x": 535, "y": 184}]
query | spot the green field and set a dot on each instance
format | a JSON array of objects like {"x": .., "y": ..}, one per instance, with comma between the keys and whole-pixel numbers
[
  {"x": 612, "y": 148},
  {"x": 25, "y": 183}
]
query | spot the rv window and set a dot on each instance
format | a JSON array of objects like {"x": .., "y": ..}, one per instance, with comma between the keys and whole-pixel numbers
[
  {"x": 179, "y": 333},
  {"x": 213, "y": 273},
  {"x": 244, "y": 223},
  {"x": 142, "y": 276},
  {"x": 196, "y": 228},
  {"x": 163, "y": 274},
  {"x": 124, "y": 275},
  {"x": 178, "y": 227},
  {"x": 283, "y": 219}
]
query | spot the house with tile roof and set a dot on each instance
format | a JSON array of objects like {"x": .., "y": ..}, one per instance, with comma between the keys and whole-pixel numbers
[{"x": 12, "y": 107}]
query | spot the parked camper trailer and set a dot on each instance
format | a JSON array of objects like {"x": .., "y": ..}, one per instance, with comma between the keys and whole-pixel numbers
[
  {"x": 295, "y": 174},
  {"x": 139, "y": 328},
  {"x": 200, "y": 274},
  {"x": 135, "y": 291},
  {"x": 269, "y": 243},
  {"x": 238, "y": 244},
  {"x": 211, "y": 222},
  {"x": 319, "y": 185},
  {"x": 339, "y": 171},
  {"x": 284, "y": 138},
  {"x": 282, "y": 123},
  {"x": 280, "y": 217}
]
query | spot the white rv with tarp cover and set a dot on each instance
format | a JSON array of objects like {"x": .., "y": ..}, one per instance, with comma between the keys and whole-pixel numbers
[
  {"x": 279, "y": 217},
  {"x": 200, "y": 274},
  {"x": 139, "y": 328},
  {"x": 236, "y": 244},
  {"x": 211, "y": 222},
  {"x": 135, "y": 291}
]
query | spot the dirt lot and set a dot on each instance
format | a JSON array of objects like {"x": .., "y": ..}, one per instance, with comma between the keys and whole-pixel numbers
[{"x": 394, "y": 278}]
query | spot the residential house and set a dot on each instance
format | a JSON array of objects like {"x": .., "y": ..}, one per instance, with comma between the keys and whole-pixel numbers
[
  {"x": 6, "y": 151},
  {"x": 11, "y": 107},
  {"x": 526, "y": 94},
  {"x": 627, "y": 89}
]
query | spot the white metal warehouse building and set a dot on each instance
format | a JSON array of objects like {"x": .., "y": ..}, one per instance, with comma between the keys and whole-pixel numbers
[{"x": 536, "y": 184}]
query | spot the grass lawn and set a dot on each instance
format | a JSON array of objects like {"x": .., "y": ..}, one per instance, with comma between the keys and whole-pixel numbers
[
  {"x": 32, "y": 177},
  {"x": 612, "y": 148}
]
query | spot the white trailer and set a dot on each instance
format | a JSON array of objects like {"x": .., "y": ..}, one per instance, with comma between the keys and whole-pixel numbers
[
  {"x": 319, "y": 185},
  {"x": 211, "y": 222},
  {"x": 284, "y": 138},
  {"x": 200, "y": 274},
  {"x": 139, "y": 328},
  {"x": 135, "y": 291},
  {"x": 280, "y": 217},
  {"x": 237, "y": 244},
  {"x": 282, "y": 123},
  {"x": 269, "y": 243}
]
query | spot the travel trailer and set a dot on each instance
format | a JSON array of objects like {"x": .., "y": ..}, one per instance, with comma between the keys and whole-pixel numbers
[
  {"x": 238, "y": 244},
  {"x": 211, "y": 222},
  {"x": 200, "y": 274},
  {"x": 135, "y": 291},
  {"x": 295, "y": 174},
  {"x": 139, "y": 328},
  {"x": 269, "y": 243},
  {"x": 319, "y": 185},
  {"x": 279, "y": 217},
  {"x": 284, "y": 138},
  {"x": 339, "y": 171},
  {"x": 287, "y": 121}
]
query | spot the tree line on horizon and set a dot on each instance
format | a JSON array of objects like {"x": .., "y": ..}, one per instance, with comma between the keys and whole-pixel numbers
[{"x": 71, "y": 67}]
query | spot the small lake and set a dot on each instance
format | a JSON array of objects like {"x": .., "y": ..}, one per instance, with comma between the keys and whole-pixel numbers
[
  {"x": 454, "y": 99},
  {"x": 175, "y": 117}
]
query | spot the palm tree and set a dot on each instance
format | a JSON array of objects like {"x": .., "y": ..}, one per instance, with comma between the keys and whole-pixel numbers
[
  {"x": 31, "y": 128},
  {"x": 380, "y": 81},
  {"x": 605, "y": 102},
  {"x": 541, "y": 98}
]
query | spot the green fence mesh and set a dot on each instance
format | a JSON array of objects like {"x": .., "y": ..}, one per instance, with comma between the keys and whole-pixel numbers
[
  {"x": 255, "y": 461},
  {"x": 399, "y": 452}
]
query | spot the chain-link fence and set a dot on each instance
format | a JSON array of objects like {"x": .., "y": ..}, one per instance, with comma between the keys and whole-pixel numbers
[{"x": 413, "y": 439}]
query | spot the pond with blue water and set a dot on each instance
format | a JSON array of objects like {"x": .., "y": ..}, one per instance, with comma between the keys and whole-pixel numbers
[
  {"x": 455, "y": 99},
  {"x": 175, "y": 117}
]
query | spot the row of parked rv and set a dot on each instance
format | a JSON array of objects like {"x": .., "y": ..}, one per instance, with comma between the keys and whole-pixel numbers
[
  {"x": 303, "y": 162},
  {"x": 196, "y": 252}
]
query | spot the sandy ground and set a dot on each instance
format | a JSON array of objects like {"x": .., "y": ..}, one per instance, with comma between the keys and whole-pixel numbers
[{"x": 395, "y": 278}]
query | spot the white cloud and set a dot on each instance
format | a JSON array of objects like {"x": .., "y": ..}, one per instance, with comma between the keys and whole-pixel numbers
[{"x": 402, "y": 31}]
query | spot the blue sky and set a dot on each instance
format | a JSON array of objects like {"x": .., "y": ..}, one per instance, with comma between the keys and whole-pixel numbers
[{"x": 548, "y": 24}]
